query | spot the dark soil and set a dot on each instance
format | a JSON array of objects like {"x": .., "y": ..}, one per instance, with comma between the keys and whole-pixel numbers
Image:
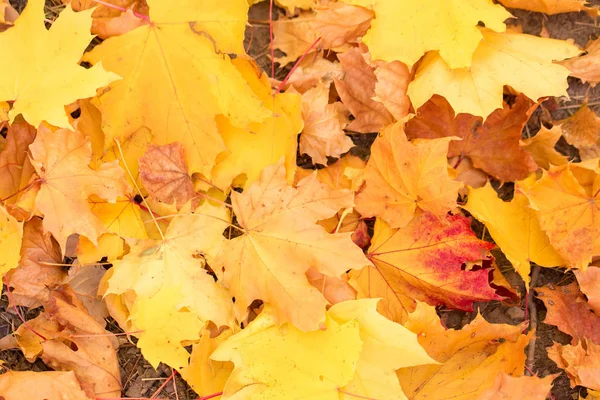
[{"x": 141, "y": 380}]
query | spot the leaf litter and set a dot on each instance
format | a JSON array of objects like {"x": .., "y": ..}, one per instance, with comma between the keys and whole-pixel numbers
[{"x": 494, "y": 312}]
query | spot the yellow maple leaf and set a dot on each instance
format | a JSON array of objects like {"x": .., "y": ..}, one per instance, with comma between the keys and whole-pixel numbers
[
  {"x": 501, "y": 59},
  {"x": 42, "y": 74},
  {"x": 176, "y": 261},
  {"x": 11, "y": 235},
  {"x": 408, "y": 29},
  {"x": 164, "y": 325},
  {"x": 204, "y": 375},
  {"x": 280, "y": 241},
  {"x": 170, "y": 85},
  {"x": 282, "y": 362},
  {"x": 541, "y": 147},
  {"x": 387, "y": 346},
  {"x": 62, "y": 159},
  {"x": 403, "y": 177},
  {"x": 515, "y": 228},
  {"x": 272, "y": 138},
  {"x": 568, "y": 200},
  {"x": 470, "y": 359}
]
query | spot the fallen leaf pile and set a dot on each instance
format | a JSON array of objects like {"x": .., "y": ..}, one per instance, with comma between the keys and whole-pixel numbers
[{"x": 154, "y": 176}]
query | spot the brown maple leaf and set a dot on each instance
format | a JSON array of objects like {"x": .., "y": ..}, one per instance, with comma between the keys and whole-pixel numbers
[{"x": 493, "y": 146}]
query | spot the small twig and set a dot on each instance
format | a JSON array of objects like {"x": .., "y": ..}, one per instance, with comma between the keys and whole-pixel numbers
[
  {"x": 312, "y": 46},
  {"x": 535, "y": 273}
]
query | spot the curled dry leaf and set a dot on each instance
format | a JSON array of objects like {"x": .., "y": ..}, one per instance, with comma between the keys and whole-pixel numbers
[
  {"x": 585, "y": 67},
  {"x": 19, "y": 385},
  {"x": 508, "y": 387},
  {"x": 470, "y": 359},
  {"x": 334, "y": 289},
  {"x": 541, "y": 147},
  {"x": 313, "y": 70},
  {"x": 423, "y": 261},
  {"x": 570, "y": 312},
  {"x": 60, "y": 159},
  {"x": 39, "y": 269},
  {"x": 323, "y": 134},
  {"x": 492, "y": 146},
  {"x": 84, "y": 282},
  {"x": 391, "y": 86},
  {"x": 581, "y": 362},
  {"x": 404, "y": 177},
  {"x": 357, "y": 89},
  {"x": 582, "y": 130},
  {"x": 73, "y": 341},
  {"x": 164, "y": 173}
]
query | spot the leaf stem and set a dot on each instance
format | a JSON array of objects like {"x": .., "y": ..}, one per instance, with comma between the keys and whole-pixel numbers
[
  {"x": 123, "y": 9},
  {"x": 296, "y": 65}
]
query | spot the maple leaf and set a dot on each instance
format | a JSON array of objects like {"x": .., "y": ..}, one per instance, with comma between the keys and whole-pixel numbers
[
  {"x": 580, "y": 362},
  {"x": 480, "y": 141},
  {"x": 403, "y": 177},
  {"x": 93, "y": 357},
  {"x": 272, "y": 138},
  {"x": 357, "y": 89},
  {"x": 569, "y": 213},
  {"x": 423, "y": 262},
  {"x": 454, "y": 32},
  {"x": 323, "y": 134},
  {"x": 568, "y": 310},
  {"x": 387, "y": 346},
  {"x": 15, "y": 167},
  {"x": 391, "y": 86},
  {"x": 18, "y": 385},
  {"x": 581, "y": 130},
  {"x": 61, "y": 159},
  {"x": 164, "y": 325},
  {"x": 155, "y": 61},
  {"x": 42, "y": 74},
  {"x": 515, "y": 228},
  {"x": 165, "y": 175},
  {"x": 297, "y": 364},
  {"x": 204, "y": 375},
  {"x": 541, "y": 147},
  {"x": 549, "y": 7},
  {"x": 470, "y": 359},
  {"x": 588, "y": 282},
  {"x": 585, "y": 66},
  {"x": 30, "y": 283},
  {"x": 280, "y": 242},
  {"x": 500, "y": 59},
  {"x": 508, "y": 387},
  {"x": 11, "y": 235},
  {"x": 176, "y": 263}
]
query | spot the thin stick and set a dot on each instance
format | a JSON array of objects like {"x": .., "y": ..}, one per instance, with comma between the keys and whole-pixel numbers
[
  {"x": 296, "y": 65},
  {"x": 535, "y": 273},
  {"x": 161, "y": 387},
  {"x": 271, "y": 39}
]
